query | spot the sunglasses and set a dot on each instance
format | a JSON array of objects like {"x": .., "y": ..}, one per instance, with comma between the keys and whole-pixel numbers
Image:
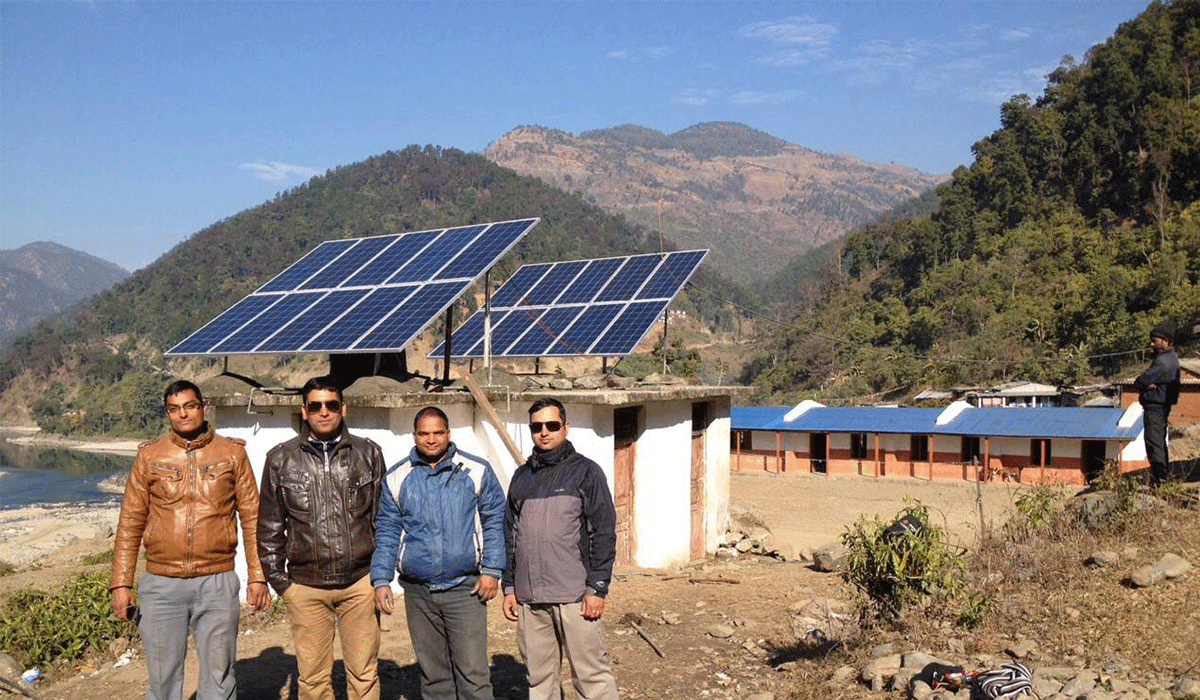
[
  {"x": 332, "y": 404},
  {"x": 552, "y": 426}
]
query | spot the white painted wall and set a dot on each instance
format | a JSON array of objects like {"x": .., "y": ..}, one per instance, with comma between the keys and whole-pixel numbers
[{"x": 662, "y": 482}]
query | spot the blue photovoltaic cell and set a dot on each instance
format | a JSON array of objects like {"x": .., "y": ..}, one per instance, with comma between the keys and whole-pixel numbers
[
  {"x": 579, "y": 337},
  {"x": 629, "y": 328},
  {"x": 303, "y": 268},
  {"x": 294, "y": 335},
  {"x": 630, "y": 278},
  {"x": 510, "y": 293},
  {"x": 226, "y": 323},
  {"x": 479, "y": 257},
  {"x": 335, "y": 272},
  {"x": 585, "y": 286},
  {"x": 553, "y": 283},
  {"x": 447, "y": 245},
  {"x": 542, "y": 334},
  {"x": 513, "y": 326},
  {"x": 467, "y": 335},
  {"x": 408, "y": 320},
  {"x": 404, "y": 249},
  {"x": 669, "y": 277},
  {"x": 361, "y": 318},
  {"x": 267, "y": 323}
]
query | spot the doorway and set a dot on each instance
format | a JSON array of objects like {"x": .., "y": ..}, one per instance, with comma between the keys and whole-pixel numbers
[
  {"x": 701, "y": 415},
  {"x": 1092, "y": 455},
  {"x": 626, "y": 428},
  {"x": 817, "y": 452}
]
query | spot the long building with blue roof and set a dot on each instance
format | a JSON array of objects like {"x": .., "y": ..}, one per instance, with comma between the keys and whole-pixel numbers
[{"x": 960, "y": 441}]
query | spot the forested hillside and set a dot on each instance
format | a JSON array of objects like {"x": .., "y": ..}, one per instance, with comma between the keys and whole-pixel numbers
[
  {"x": 1074, "y": 231},
  {"x": 100, "y": 369},
  {"x": 42, "y": 278}
]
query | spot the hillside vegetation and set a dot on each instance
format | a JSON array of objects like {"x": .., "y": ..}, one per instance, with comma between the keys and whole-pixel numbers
[
  {"x": 1050, "y": 257},
  {"x": 41, "y": 279},
  {"x": 100, "y": 369}
]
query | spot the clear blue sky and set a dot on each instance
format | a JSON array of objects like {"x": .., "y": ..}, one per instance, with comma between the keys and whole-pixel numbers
[{"x": 125, "y": 127}]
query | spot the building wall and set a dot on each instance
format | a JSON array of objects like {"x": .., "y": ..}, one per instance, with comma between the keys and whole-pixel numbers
[
  {"x": 1008, "y": 458},
  {"x": 1186, "y": 412}
]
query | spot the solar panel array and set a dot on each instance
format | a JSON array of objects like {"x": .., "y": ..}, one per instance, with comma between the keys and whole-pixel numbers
[
  {"x": 581, "y": 307},
  {"x": 370, "y": 294}
]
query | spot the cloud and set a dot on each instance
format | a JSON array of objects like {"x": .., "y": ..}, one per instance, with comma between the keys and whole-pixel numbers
[
  {"x": 275, "y": 171},
  {"x": 657, "y": 52},
  {"x": 878, "y": 61},
  {"x": 619, "y": 54},
  {"x": 801, "y": 39},
  {"x": 754, "y": 97},
  {"x": 1015, "y": 34},
  {"x": 694, "y": 97},
  {"x": 652, "y": 53}
]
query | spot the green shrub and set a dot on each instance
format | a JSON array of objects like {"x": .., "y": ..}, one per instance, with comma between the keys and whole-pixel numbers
[
  {"x": 104, "y": 557},
  {"x": 898, "y": 570},
  {"x": 7, "y": 567},
  {"x": 38, "y": 627},
  {"x": 1039, "y": 506}
]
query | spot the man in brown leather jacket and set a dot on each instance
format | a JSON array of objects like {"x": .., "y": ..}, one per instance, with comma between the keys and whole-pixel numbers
[
  {"x": 181, "y": 498},
  {"x": 316, "y": 535}
]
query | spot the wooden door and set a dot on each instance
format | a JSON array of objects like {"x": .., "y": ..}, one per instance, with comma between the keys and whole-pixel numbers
[
  {"x": 699, "y": 424},
  {"x": 625, "y": 432}
]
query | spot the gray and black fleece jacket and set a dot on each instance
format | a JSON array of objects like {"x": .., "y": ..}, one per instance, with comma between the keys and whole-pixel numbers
[{"x": 559, "y": 528}]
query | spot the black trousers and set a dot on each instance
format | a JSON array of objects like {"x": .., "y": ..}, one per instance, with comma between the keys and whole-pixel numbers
[{"x": 1154, "y": 424}]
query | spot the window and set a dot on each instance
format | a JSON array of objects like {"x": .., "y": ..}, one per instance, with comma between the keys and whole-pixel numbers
[
  {"x": 970, "y": 450},
  {"x": 1037, "y": 448},
  {"x": 858, "y": 445},
  {"x": 919, "y": 448},
  {"x": 740, "y": 440}
]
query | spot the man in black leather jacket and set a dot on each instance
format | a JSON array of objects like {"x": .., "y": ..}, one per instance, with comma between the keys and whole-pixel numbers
[{"x": 316, "y": 535}]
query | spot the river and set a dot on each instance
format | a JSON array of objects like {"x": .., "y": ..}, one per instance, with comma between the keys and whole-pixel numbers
[{"x": 32, "y": 475}]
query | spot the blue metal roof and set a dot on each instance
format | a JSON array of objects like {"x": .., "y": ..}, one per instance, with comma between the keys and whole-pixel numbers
[
  {"x": 756, "y": 417},
  {"x": 1047, "y": 422}
]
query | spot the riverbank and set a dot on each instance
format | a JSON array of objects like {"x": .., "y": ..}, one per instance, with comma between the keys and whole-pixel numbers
[{"x": 34, "y": 437}]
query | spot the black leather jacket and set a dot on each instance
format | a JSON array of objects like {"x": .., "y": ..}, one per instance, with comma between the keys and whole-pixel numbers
[{"x": 316, "y": 513}]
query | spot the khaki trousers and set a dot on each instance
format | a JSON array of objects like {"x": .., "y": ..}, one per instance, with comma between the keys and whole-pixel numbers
[
  {"x": 548, "y": 631},
  {"x": 315, "y": 613}
]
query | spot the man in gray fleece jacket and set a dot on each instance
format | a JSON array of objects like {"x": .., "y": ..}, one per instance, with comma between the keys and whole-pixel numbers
[{"x": 560, "y": 528}]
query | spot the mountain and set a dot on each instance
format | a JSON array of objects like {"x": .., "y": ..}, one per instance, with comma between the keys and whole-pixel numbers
[
  {"x": 1075, "y": 230},
  {"x": 754, "y": 199},
  {"x": 100, "y": 367},
  {"x": 41, "y": 279}
]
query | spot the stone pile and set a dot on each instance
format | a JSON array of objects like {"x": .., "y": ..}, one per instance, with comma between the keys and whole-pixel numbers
[
  {"x": 910, "y": 673},
  {"x": 743, "y": 539}
]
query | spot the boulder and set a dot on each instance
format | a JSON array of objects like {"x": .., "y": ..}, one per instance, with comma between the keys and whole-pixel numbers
[
  {"x": 1102, "y": 558},
  {"x": 591, "y": 381},
  {"x": 831, "y": 557},
  {"x": 1169, "y": 566}
]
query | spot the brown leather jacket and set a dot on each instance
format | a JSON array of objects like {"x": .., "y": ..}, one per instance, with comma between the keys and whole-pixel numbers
[{"x": 180, "y": 499}]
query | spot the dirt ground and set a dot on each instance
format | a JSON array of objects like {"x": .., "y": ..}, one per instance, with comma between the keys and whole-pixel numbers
[{"x": 756, "y": 599}]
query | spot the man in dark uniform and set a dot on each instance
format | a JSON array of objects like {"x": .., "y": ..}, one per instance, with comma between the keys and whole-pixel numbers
[{"x": 1158, "y": 391}]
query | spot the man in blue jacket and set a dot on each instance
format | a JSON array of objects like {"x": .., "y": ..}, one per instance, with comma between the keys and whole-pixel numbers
[{"x": 441, "y": 526}]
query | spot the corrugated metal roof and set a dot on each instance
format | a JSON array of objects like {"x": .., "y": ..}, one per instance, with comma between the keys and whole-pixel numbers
[
  {"x": 756, "y": 417},
  {"x": 1048, "y": 422}
]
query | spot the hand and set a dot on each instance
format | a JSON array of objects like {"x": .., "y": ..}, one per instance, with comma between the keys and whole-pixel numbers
[
  {"x": 510, "y": 607},
  {"x": 257, "y": 595},
  {"x": 592, "y": 607},
  {"x": 383, "y": 600},
  {"x": 485, "y": 588},
  {"x": 122, "y": 602}
]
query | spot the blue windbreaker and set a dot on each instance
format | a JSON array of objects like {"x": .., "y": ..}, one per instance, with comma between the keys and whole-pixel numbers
[{"x": 438, "y": 525}]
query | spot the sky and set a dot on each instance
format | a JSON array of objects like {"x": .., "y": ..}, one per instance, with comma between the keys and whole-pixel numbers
[{"x": 125, "y": 127}]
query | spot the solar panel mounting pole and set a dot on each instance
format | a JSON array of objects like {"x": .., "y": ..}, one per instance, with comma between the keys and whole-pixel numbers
[
  {"x": 446, "y": 361},
  {"x": 487, "y": 324}
]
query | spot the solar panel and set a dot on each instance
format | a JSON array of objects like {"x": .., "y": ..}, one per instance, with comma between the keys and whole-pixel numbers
[
  {"x": 372, "y": 294},
  {"x": 577, "y": 308}
]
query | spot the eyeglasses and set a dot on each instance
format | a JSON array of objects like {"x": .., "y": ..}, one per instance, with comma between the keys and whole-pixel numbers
[
  {"x": 332, "y": 404},
  {"x": 190, "y": 406},
  {"x": 552, "y": 426}
]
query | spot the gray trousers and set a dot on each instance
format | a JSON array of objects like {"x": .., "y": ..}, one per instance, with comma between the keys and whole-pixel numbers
[
  {"x": 449, "y": 635},
  {"x": 545, "y": 633},
  {"x": 206, "y": 605}
]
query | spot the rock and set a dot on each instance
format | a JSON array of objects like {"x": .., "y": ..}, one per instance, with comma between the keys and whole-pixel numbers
[
  {"x": 919, "y": 660},
  {"x": 761, "y": 696},
  {"x": 744, "y": 546},
  {"x": 1169, "y": 566},
  {"x": 844, "y": 673},
  {"x": 671, "y": 618},
  {"x": 1046, "y": 687},
  {"x": 618, "y": 382},
  {"x": 1058, "y": 673},
  {"x": 919, "y": 690},
  {"x": 784, "y": 551},
  {"x": 903, "y": 678},
  {"x": 1104, "y": 557},
  {"x": 830, "y": 557},
  {"x": 1187, "y": 685},
  {"x": 720, "y": 631},
  {"x": 1129, "y": 552},
  {"x": 880, "y": 670},
  {"x": 759, "y": 534},
  {"x": 882, "y": 650},
  {"x": 9, "y": 668},
  {"x": 562, "y": 384},
  {"x": 956, "y": 646},
  {"x": 1081, "y": 684},
  {"x": 659, "y": 378},
  {"x": 590, "y": 381},
  {"x": 1116, "y": 666},
  {"x": 1021, "y": 649}
]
